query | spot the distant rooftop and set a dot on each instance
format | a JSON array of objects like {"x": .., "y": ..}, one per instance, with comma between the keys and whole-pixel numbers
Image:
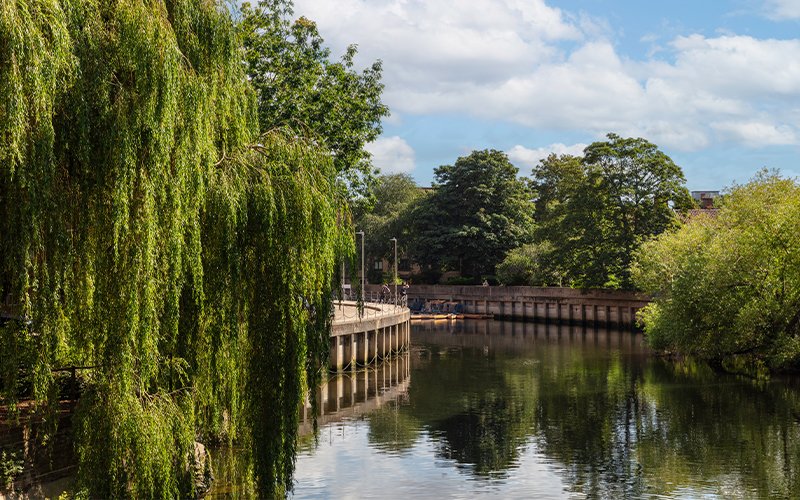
[
  {"x": 702, "y": 195},
  {"x": 706, "y": 198}
]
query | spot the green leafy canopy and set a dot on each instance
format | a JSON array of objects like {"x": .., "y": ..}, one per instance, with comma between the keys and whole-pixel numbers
[
  {"x": 298, "y": 86},
  {"x": 150, "y": 234}
]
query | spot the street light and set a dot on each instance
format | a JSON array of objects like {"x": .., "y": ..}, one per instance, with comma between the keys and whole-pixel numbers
[
  {"x": 362, "y": 264},
  {"x": 395, "y": 270}
]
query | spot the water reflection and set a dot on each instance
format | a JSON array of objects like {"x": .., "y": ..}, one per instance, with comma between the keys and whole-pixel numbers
[
  {"x": 351, "y": 394},
  {"x": 521, "y": 410},
  {"x": 615, "y": 422}
]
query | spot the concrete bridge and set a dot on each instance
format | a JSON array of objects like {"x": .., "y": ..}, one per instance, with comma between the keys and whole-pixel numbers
[{"x": 382, "y": 331}]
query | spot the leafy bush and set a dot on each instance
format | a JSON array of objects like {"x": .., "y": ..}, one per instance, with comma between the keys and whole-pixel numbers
[
  {"x": 729, "y": 285},
  {"x": 463, "y": 281},
  {"x": 11, "y": 466},
  {"x": 527, "y": 266}
]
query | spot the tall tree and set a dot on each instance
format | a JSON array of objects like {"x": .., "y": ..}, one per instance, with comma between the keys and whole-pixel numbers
[
  {"x": 298, "y": 86},
  {"x": 597, "y": 218},
  {"x": 391, "y": 216},
  {"x": 479, "y": 211},
  {"x": 151, "y": 236}
]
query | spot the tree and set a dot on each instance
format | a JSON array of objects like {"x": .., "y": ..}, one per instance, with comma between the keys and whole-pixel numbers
[
  {"x": 597, "y": 218},
  {"x": 298, "y": 86},
  {"x": 526, "y": 266},
  {"x": 396, "y": 197},
  {"x": 731, "y": 284},
  {"x": 554, "y": 181},
  {"x": 150, "y": 235},
  {"x": 479, "y": 211}
]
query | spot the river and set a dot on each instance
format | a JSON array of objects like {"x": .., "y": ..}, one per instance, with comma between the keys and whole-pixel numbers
[{"x": 494, "y": 409}]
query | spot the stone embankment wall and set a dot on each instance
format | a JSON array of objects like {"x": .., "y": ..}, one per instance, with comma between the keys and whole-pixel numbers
[
  {"x": 356, "y": 340},
  {"x": 554, "y": 304}
]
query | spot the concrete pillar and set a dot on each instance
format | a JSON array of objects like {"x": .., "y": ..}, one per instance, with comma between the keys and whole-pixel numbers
[
  {"x": 351, "y": 352},
  {"x": 362, "y": 356},
  {"x": 381, "y": 343},
  {"x": 334, "y": 344}
]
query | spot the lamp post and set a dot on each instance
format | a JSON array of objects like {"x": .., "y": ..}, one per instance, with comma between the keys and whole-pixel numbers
[
  {"x": 395, "y": 270},
  {"x": 362, "y": 264}
]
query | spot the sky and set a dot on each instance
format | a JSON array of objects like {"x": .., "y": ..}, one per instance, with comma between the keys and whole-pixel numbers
[{"x": 714, "y": 84}]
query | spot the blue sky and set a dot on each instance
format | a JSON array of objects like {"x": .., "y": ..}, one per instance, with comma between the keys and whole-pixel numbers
[{"x": 716, "y": 85}]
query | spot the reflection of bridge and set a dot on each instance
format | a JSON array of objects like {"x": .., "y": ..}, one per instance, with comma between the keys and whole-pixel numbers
[
  {"x": 381, "y": 331},
  {"x": 355, "y": 393},
  {"x": 520, "y": 336}
]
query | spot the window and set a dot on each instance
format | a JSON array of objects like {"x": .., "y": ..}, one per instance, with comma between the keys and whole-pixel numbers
[{"x": 379, "y": 265}]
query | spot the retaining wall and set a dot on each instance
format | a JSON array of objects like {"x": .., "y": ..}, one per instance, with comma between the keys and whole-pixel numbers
[
  {"x": 382, "y": 331},
  {"x": 555, "y": 304}
]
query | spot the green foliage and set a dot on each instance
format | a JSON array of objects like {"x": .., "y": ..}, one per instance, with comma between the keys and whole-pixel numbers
[
  {"x": 597, "y": 211},
  {"x": 11, "y": 466},
  {"x": 150, "y": 234},
  {"x": 298, "y": 86},
  {"x": 730, "y": 284},
  {"x": 463, "y": 280},
  {"x": 479, "y": 211},
  {"x": 395, "y": 198},
  {"x": 524, "y": 266}
]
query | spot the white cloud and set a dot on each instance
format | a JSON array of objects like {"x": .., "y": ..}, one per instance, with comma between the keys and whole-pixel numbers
[
  {"x": 526, "y": 62},
  {"x": 782, "y": 9},
  {"x": 527, "y": 159},
  {"x": 756, "y": 134},
  {"x": 392, "y": 155}
]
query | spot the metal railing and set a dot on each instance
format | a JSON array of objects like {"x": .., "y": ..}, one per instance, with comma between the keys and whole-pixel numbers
[{"x": 375, "y": 304}]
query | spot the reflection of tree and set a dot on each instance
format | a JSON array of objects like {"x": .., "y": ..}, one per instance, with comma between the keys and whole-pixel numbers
[
  {"x": 587, "y": 413},
  {"x": 477, "y": 414},
  {"x": 486, "y": 435},
  {"x": 742, "y": 433},
  {"x": 617, "y": 426},
  {"x": 392, "y": 431}
]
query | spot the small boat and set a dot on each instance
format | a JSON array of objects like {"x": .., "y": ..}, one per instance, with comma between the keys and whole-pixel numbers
[
  {"x": 474, "y": 316},
  {"x": 434, "y": 316}
]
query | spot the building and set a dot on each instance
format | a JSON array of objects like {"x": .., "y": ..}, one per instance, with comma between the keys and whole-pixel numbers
[{"x": 705, "y": 198}]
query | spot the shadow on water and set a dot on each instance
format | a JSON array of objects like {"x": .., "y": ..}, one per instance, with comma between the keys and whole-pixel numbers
[{"x": 516, "y": 410}]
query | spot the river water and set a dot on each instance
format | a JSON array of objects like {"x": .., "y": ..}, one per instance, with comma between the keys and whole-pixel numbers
[{"x": 493, "y": 409}]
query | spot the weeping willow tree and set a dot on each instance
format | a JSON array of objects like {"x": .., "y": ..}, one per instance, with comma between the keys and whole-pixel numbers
[{"x": 149, "y": 234}]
